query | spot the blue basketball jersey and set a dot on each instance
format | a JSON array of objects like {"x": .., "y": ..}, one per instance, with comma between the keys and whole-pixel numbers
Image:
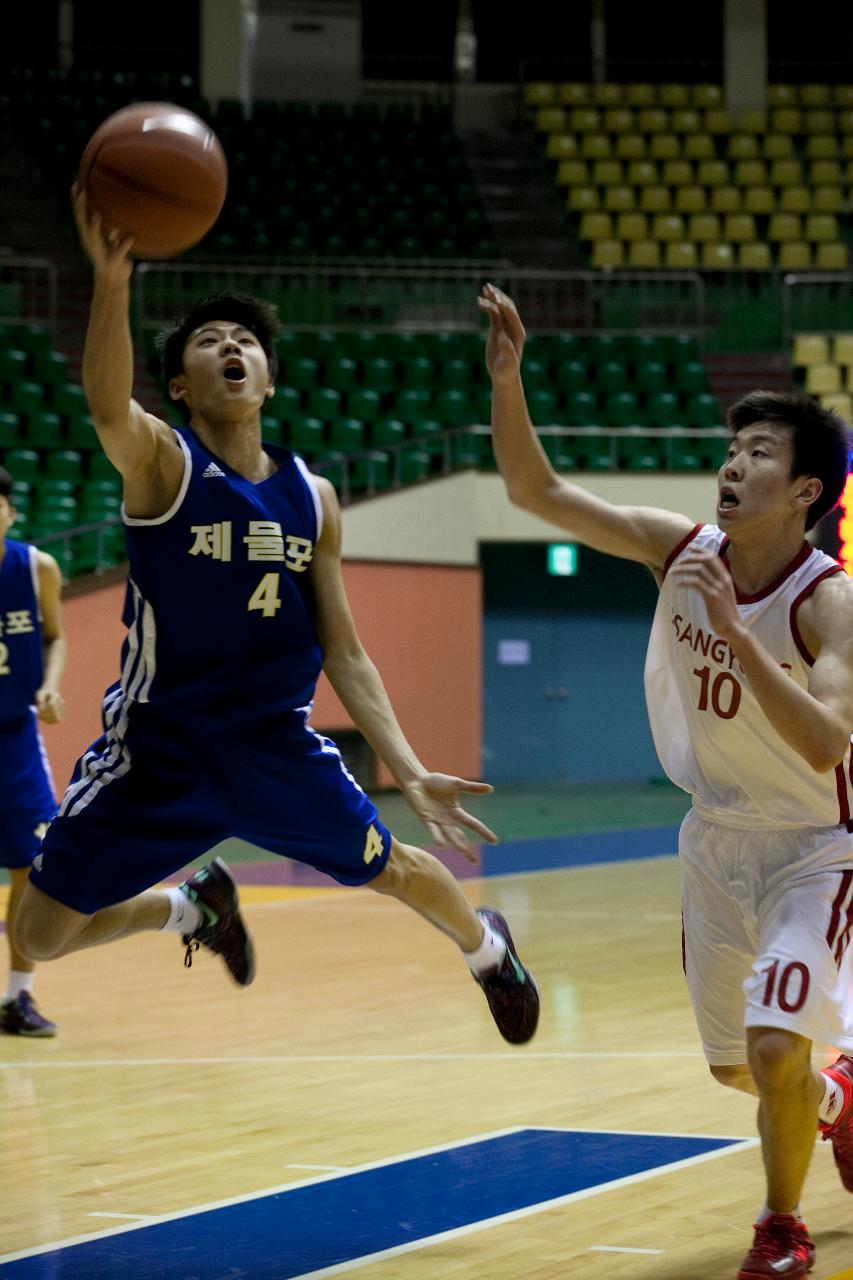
[
  {"x": 21, "y": 658},
  {"x": 219, "y": 607}
]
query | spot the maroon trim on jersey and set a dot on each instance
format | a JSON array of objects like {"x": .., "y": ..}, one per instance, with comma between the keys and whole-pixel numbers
[
  {"x": 836, "y": 940},
  {"x": 843, "y": 795},
  {"x": 799, "y": 559},
  {"x": 683, "y": 948},
  {"x": 804, "y": 595},
  {"x": 677, "y": 550}
]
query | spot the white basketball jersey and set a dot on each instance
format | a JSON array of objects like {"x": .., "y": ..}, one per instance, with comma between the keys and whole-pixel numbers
[{"x": 711, "y": 735}]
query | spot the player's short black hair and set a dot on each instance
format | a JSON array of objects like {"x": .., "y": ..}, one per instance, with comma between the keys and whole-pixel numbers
[
  {"x": 254, "y": 314},
  {"x": 5, "y": 483},
  {"x": 821, "y": 438}
]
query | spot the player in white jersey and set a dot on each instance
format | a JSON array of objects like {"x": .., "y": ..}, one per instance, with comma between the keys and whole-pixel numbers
[{"x": 749, "y": 683}]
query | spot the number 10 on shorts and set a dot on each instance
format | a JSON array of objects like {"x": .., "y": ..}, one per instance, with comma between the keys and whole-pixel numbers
[{"x": 786, "y": 987}]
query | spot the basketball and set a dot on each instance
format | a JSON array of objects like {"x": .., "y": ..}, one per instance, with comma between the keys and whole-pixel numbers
[{"x": 156, "y": 172}]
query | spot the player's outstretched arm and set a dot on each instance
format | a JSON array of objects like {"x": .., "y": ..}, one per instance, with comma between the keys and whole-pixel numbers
[
  {"x": 141, "y": 447},
  {"x": 433, "y": 796},
  {"x": 646, "y": 534}
]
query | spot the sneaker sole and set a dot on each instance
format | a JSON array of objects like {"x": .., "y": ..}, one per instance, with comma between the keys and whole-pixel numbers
[{"x": 531, "y": 981}]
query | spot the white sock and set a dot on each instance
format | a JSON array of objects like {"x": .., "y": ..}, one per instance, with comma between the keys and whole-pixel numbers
[
  {"x": 488, "y": 955},
  {"x": 19, "y": 981},
  {"x": 766, "y": 1212},
  {"x": 184, "y": 914},
  {"x": 832, "y": 1102}
]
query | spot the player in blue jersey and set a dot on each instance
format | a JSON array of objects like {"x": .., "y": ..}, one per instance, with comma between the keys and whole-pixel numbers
[
  {"x": 32, "y": 658},
  {"x": 235, "y": 603}
]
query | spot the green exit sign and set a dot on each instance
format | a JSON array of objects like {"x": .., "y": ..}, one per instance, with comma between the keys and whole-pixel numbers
[{"x": 562, "y": 559}]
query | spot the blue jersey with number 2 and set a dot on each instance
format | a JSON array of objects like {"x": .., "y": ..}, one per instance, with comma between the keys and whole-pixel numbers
[{"x": 21, "y": 661}]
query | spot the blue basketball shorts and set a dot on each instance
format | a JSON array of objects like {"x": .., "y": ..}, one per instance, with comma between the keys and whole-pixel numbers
[
  {"x": 141, "y": 807},
  {"x": 27, "y": 801}
]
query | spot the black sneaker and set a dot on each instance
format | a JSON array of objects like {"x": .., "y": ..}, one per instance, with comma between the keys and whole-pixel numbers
[
  {"x": 222, "y": 931},
  {"x": 20, "y": 1017},
  {"x": 512, "y": 993}
]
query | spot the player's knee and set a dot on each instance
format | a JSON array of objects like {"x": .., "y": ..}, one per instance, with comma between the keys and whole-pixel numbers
[
  {"x": 737, "y": 1077},
  {"x": 34, "y": 936},
  {"x": 402, "y": 867},
  {"x": 778, "y": 1059}
]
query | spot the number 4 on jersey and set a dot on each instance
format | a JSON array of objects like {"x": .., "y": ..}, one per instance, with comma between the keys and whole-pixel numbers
[{"x": 265, "y": 596}]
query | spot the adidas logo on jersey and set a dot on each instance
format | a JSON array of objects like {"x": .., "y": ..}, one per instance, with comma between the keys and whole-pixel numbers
[{"x": 212, "y": 470}]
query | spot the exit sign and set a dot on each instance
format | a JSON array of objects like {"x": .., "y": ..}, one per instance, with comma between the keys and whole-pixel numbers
[{"x": 562, "y": 559}]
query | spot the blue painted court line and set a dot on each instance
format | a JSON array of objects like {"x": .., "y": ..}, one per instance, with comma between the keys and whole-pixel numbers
[
  {"x": 338, "y": 1223},
  {"x": 550, "y": 853}
]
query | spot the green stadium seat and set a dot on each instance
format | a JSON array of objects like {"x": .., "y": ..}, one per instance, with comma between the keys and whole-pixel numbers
[
  {"x": 100, "y": 490},
  {"x": 347, "y": 435},
  {"x": 80, "y": 432},
  {"x": 100, "y": 467},
  {"x": 571, "y": 374},
  {"x": 535, "y": 375},
  {"x": 301, "y": 372},
  {"x": 271, "y": 430},
  {"x": 418, "y": 371},
  {"x": 26, "y": 397},
  {"x": 454, "y": 407},
  {"x": 604, "y": 346},
  {"x": 51, "y": 367},
  {"x": 690, "y": 377},
  {"x": 13, "y": 364},
  {"x": 365, "y": 403},
  {"x": 387, "y": 431},
  {"x": 636, "y": 451},
  {"x": 379, "y": 374},
  {"x": 372, "y": 472},
  {"x": 306, "y": 434},
  {"x": 683, "y": 452},
  {"x": 415, "y": 465},
  {"x": 679, "y": 347},
  {"x": 561, "y": 451},
  {"x": 64, "y": 464},
  {"x": 23, "y": 464},
  {"x": 320, "y": 345},
  {"x": 611, "y": 375},
  {"x": 285, "y": 404},
  {"x": 662, "y": 409},
  {"x": 44, "y": 430},
  {"x": 542, "y": 405},
  {"x": 69, "y": 400},
  {"x": 595, "y": 451},
  {"x": 10, "y": 429},
  {"x": 702, "y": 410},
  {"x": 414, "y": 405},
  {"x": 621, "y": 408},
  {"x": 363, "y": 345},
  {"x": 33, "y": 338},
  {"x": 334, "y": 467},
  {"x": 341, "y": 372},
  {"x": 581, "y": 408},
  {"x": 651, "y": 375},
  {"x": 325, "y": 403},
  {"x": 469, "y": 450}
]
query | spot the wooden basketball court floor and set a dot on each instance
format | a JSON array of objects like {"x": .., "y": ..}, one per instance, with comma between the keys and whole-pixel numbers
[{"x": 355, "y": 1110}]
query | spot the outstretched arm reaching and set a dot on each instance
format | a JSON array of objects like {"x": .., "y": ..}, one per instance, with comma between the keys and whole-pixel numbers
[{"x": 646, "y": 534}]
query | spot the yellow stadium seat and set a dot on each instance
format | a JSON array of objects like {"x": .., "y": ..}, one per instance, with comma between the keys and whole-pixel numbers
[
  {"x": 742, "y": 146},
  {"x": 825, "y": 173},
  {"x": 595, "y": 146},
  {"x": 674, "y": 95},
  {"x": 703, "y": 227},
  {"x": 630, "y": 146},
  {"x": 607, "y": 94},
  {"x": 754, "y": 257},
  {"x": 760, "y": 200},
  {"x": 795, "y": 200},
  {"x": 677, "y": 173},
  {"x": 707, "y": 95},
  {"x": 607, "y": 254},
  {"x": 643, "y": 254},
  {"x": 585, "y": 120},
  {"x": 620, "y": 120},
  {"x": 572, "y": 173},
  {"x": 795, "y": 255},
  {"x": 642, "y": 173},
  {"x": 842, "y": 348},
  {"x": 640, "y": 94},
  {"x": 784, "y": 226},
  {"x": 572, "y": 93},
  {"x": 727, "y": 199},
  {"x": 607, "y": 173},
  {"x": 840, "y": 402},
  {"x": 822, "y": 146},
  {"x": 810, "y": 348},
  {"x": 713, "y": 173},
  {"x": 619, "y": 199},
  {"x": 539, "y": 93},
  {"x": 781, "y": 95},
  {"x": 582, "y": 199},
  {"x": 786, "y": 173},
  {"x": 823, "y": 379},
  {"x": 685, "y": 120},
  {"x": 842, "y": 95},
  {"x": 831, "y": 257},
  {"x": 699, "y": 146},
  {"x": 632, "y": 226},
  {"x": 596, "y": 226},
  {"x": 561, "y": 146},
  {"x": 750, "y": 173},
  {"x": 739, "y": 228},
  {"x": 777, "y": 146},
  {"x": 786, "y": 120},
  {"x": 655, "y": 199},
  {"x": 827, "y": 199},
  {"x": 821, "y": 228},
  {"x": 664, "y": 146},
  {"x": 844, "y": 120},
  {"x": 717, "y": 257},
  {"x": 718, "y": 120},
  {"x": 680, "y": 254},
  {"x": 752, "y": 121},
  {"x": 653, "y": 120},
  {"x": 819, "y": 122},
  {"x": 815, "y": 95},
  {"x": 668, "y": 227},
  {"x": 690, "y": 200},
  {"x": 551, "y": 120}
]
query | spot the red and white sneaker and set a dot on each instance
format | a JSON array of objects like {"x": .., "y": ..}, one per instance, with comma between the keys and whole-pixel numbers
[
  {"x": 782, "y": 1247},
  {"x": 840, "y": 1134}
]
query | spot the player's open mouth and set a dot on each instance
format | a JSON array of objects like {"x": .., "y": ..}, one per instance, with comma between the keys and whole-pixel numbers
[
  {"x": 234, "y": 371},
  {"x": 728, "y": 501}
]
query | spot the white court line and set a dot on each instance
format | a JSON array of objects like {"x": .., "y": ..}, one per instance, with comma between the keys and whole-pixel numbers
[
  {"x": 325, "y": 1168},
  {"x": 612, "y": 1248},
  {"x": 739, "y": 1144},
  {"x": 142, "y": 1217},
  {"x": 346, "y": 1058}
]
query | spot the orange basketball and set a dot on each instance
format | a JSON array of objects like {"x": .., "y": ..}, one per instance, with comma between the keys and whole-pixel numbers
[{"x": 158, "y": 173}]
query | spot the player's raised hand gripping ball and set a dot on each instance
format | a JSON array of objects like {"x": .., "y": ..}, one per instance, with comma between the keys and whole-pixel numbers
[{"x": 156, "y": 172}]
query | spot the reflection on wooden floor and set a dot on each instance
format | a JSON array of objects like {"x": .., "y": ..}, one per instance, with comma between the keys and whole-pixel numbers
[{"x": 364, "y": 1038}]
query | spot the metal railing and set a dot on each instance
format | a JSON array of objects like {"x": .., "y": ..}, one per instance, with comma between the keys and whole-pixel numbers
[
  {"x": 61, "y": 544},
  {"x": 816, "y": 301},
  {"x": 28, "y": 291}
]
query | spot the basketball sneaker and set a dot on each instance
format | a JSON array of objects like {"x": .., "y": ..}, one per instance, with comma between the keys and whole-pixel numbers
[
  {"x": 782, "y": 1247},
  {"x": 510, "y": 990},
  {"x": 840, "y": 1134},
  {"x": 222, "y": 931},
  {"x": 20, "y": 1017}
]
